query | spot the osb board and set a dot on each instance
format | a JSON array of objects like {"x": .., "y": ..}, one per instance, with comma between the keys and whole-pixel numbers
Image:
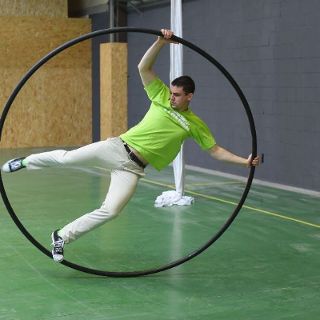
[
  {"x": 54, "y": 107},
  {"x": 24, "y": 40},
  {"x": 49, "y": 8},
  {"x": 113, "y": 91}
]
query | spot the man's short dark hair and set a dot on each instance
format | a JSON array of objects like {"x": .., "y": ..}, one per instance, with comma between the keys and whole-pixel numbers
[{"x": 185, "y": 82}]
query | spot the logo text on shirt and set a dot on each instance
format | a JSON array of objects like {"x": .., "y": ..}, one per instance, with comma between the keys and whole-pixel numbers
[{"x": 180, "y": 118}]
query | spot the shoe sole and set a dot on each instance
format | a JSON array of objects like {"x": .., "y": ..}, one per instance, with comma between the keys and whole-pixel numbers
[{"x": 57, "y": 258}]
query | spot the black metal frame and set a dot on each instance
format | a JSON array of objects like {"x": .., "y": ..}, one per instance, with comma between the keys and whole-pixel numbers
[{"x": 215, "y": 236}]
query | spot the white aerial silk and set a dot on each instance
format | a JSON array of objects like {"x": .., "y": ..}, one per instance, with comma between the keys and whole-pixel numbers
[{"x": 176, "y": 197}]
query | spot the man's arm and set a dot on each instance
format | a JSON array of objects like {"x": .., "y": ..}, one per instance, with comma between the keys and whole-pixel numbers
[
  {"x": 145, "y": 66},
  {"x": 222, "y": 154}
]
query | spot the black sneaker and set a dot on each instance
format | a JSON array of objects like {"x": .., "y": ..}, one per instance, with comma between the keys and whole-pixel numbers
[
  {"x": 13, "y": 165},
  {"x": 58, "y": 244}
]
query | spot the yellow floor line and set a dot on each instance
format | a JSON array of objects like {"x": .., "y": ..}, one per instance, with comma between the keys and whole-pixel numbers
[{"x": 274, "y": 214}]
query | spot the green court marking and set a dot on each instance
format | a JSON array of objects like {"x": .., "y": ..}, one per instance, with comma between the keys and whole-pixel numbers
[
  {"x": 274, "y": 214},
  {"x": 214, "y": 183}
]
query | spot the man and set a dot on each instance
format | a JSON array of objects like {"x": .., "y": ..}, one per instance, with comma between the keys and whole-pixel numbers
[{"x": 155, "y": 140}]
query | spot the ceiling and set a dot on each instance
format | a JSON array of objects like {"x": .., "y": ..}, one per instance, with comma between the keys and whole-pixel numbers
[{"x": 79, "y": 8}]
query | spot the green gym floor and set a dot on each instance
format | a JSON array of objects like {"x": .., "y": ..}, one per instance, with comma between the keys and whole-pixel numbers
[{"x": 266, "y": 266}]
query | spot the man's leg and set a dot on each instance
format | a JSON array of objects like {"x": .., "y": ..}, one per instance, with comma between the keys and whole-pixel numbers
[
  {"x": 95, "y": 154},
  {"x": 122, "y": 187}
]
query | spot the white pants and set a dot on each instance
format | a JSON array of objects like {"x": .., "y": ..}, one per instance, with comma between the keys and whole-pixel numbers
[{"x": 108, "y": 154}]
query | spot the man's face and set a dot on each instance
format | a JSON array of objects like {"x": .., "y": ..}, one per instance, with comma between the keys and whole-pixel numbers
[{"x": 179, "y": 99}]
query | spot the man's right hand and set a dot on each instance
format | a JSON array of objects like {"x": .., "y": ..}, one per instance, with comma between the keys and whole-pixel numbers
[
  {"x": 146, "y": 64},
  {"x": 167, "y": 34}
]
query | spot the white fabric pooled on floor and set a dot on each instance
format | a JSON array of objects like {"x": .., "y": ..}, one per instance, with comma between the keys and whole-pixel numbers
[{"x": 171, "y": 198}]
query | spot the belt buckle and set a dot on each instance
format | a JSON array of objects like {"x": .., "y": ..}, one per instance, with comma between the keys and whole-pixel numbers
[{"x": 131, "y": 154}]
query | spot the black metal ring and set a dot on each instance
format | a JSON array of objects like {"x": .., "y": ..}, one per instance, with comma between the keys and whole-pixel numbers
[{"x": 215, "y": 236}]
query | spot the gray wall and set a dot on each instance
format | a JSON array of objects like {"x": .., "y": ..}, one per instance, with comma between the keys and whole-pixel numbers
[{"x": 271, "y": 48}]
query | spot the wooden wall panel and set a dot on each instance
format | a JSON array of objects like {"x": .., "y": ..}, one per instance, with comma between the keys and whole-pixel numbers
[
  {"x": 113, "y": 92},
  {"x": 24, "y": 40},
  {"x": 49, "y": 8},
  {"x": 54, "y": 108}
]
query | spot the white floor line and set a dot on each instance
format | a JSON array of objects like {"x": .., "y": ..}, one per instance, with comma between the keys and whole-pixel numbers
[{"x": 255, "y": 181}]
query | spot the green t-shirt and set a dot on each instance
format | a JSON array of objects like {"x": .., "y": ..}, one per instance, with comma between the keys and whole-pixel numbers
[{"x": 159, "y": 135}]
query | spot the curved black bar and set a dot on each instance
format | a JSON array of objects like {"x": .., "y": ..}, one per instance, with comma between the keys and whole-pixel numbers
[{"x": 222, "y": 229}]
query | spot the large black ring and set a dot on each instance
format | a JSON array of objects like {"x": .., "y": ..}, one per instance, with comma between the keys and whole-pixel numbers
[{"x": 222, "y": 229}]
